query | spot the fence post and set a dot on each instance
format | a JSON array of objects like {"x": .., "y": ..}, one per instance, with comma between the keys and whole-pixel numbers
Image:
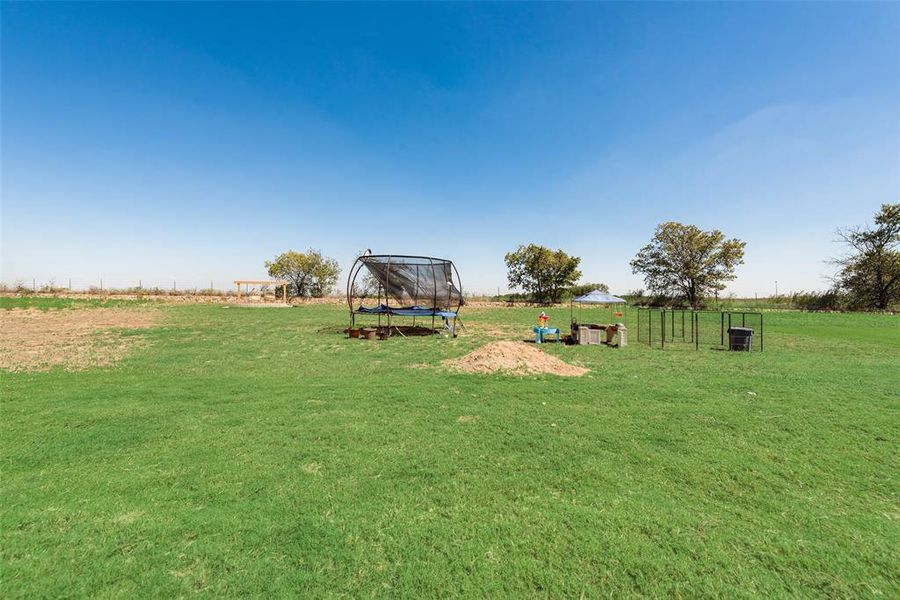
[
  {"x": 722, "y": 329},
  {"x": 662, "y": 323},
  {"x": 697, "y": 330}
]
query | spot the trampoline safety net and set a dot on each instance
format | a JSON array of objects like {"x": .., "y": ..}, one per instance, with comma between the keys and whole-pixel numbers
[
  {"x": 404, "y": 281},
  {"x": 404, "y": 286}
]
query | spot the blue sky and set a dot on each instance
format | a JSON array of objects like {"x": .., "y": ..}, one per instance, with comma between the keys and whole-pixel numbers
[{"x": 193, "y": 141}]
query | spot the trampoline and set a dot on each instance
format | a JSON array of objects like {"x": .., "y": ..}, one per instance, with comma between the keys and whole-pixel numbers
[{"x": 417, "y": 287}]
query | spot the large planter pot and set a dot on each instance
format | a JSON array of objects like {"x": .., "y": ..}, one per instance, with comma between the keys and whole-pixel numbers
[
  {"x": 368, "y": 333},
  {"x": 354, "y": 333}
]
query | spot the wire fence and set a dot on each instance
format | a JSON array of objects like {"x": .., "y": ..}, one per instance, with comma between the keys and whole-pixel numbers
[
  {"x": 119, "y": 285},
  {"x": 661, "y": 327}
]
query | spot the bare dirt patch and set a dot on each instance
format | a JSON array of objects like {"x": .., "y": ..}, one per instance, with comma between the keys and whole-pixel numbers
[
  {"x": 36, "y": 340},
  {"x": 177, "y": 297},
  {"x": 517, "y": 358}
]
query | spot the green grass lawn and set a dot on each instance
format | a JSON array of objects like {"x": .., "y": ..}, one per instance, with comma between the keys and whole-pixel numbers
[{"x": 249, "y": 451}]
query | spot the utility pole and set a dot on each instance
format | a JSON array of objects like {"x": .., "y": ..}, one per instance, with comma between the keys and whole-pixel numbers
[{"x": 776, "y": 288}]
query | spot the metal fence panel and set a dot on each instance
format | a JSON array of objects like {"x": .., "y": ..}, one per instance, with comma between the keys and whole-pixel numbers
[{"x": 659, "y": 327}]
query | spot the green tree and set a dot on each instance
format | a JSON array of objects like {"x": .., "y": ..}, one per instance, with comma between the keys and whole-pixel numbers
[
  {"x": 310, "y": 273},
  {"x": 585, "y": 288},
  {"x": 542, "y": 272},
  {"x": 871, "y": 272},
  {"x": 685, "y": 261}
]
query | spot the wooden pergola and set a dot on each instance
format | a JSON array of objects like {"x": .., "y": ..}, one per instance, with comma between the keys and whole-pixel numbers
[{"x": 276, "y": 283}]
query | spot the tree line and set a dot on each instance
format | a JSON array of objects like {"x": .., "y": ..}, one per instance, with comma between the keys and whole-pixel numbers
[{"x": 681, "y": 263}]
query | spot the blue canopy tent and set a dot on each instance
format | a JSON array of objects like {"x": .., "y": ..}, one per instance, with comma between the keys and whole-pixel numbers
[{"x": 595, "y": 297}]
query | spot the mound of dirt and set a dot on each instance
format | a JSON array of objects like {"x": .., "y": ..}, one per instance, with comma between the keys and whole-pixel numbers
[
  {"x": 517, "y": 358},
  {"x": 35, "y": 340}
]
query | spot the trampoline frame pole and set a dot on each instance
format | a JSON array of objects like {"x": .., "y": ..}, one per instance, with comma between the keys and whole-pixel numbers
[
  {"x": 416, "y": 294},
  {"x": 449, "y": 281},
  {"x": 387, "y": 284},
  {"x": 433, "y": 292},
  {"x": 460, "y": 303}
]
